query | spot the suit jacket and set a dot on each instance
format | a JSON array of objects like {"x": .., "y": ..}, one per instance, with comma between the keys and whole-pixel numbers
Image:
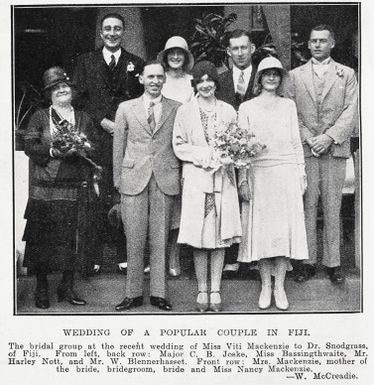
[
  {"x": 96, "y": 94},
  {"x": 337, "y": 113},
  {"x": 226, "y": 90},
  {"x": 138, "y": 152}
]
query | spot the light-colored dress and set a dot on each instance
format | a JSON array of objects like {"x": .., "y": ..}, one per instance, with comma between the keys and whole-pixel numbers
[
  {"x": 210, "y": 216},
  {"x": 273, "y": 220},
  {"x": 179, "y": 89}
]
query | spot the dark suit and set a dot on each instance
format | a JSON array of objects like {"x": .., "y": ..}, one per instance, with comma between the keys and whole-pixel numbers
[
  {"x": 147, "y": 174},
  {"x": 226, "y": 92},
  {"x": 99, "y": 92}
]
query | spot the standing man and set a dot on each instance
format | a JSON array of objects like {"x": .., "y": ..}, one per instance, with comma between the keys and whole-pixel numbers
[
  {"x": 104, "y": 78},
  {"x": 236, "y": 86},
  {"x": 147, "y": 174},
  {"x": 325, "y": 93}
]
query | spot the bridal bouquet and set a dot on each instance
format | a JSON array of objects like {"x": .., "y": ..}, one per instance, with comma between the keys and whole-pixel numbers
[{"x": 236, "y": 145}]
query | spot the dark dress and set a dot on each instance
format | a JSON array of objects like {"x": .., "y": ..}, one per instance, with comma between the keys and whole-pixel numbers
[{"x": 61, "y": 205}]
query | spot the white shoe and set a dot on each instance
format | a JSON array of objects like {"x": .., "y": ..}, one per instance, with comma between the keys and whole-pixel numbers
[
  {"x": 147, "y": 269},
  {"x": 281, "y": 301},
  {"x": 264, "y": 301}
]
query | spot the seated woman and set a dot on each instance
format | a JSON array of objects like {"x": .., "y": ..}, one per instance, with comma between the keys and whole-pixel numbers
[
  {"x": 61, "y": 189},
  {"x": 210, "y": 219},
  {"x": 272, "y": 189}
]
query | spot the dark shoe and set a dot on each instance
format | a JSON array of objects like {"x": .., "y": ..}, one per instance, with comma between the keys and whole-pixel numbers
[
  {"x": 161, "y": 303},
  {"x": 336, "y": 275},
  {"x": 69, "y": 295},
  {"x": 41, "y": 298},
  {"x": 129, "y": 303},
  {"x": 305, "y": 272}
]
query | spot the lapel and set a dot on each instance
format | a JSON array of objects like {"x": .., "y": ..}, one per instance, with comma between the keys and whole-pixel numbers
[
  {"x": 121, "y": 67},
  {"x": 197, "y": 126},
  {"x": 330, "y": 78},
  {"x": 165, "y": 112},
  {"x": 307, "y": 77},
  {"x": 248, "y": 92},
  {"x": 139, "y": 112},
  {"x": 101, "y": 66},
  {"x": 230, "y": 85}
]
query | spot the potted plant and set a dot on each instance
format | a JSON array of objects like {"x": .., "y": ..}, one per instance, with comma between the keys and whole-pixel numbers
[{"x": 208, "y": 41}]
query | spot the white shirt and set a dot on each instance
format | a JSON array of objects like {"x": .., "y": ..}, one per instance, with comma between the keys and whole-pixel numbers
[
  {"x": 320, "y": 67},
  {"x": 108, "y": 55},
  {"x": 236, "y": 74},
  {"x": 157, "y": 108}
]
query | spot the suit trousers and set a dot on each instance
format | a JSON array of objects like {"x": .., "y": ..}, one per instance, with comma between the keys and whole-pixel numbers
[
  {"x": 325, "y": 178},
  {"x": 146, "y": 214}
]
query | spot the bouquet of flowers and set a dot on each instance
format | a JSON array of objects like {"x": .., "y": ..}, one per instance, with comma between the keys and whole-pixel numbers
[
  {"x": 67, "y": 139},
  {"x": 236, "y": 145}
]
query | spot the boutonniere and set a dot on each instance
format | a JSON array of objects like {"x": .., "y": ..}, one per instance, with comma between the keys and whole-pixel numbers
[
  {"x": 130, "y": 67},
  {"x": 340, "y": 72}
]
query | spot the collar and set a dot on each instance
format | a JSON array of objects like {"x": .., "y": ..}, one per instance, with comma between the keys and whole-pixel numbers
[
  {"x": 108, "y": 54},
  {"x": 147, "y": 100},
  {"x": 324, "y": 62},
  {"x": 237, "y": 71}
]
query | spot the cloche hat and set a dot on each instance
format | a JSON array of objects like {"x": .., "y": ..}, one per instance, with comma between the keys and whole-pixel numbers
[
  {"x": 54, "y": 76},
  {"x": 265, "y": 64},
  {"x": 202, "y": 68},
  {"x": 177, "y": 42}
]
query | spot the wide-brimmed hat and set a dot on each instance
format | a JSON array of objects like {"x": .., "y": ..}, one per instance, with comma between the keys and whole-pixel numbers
[
  {"x": 202, "y": 68},
  {"x": 54, "y": 76},
  {"x": 266, "y": 64},
  {"x": 177, "y": 42}
]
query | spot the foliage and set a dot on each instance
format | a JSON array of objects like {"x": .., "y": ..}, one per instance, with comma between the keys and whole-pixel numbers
[
  {"x": 210, "y": 36},
  {"x": 30, "y": 100}
]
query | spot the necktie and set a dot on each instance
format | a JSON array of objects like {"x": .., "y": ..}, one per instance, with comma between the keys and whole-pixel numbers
[
  {"x": 151, "y": 117},
  {"x": 240, "y": 89},
  {"x": 112, "y": 63},
  {"x": 320, "y": 68}
]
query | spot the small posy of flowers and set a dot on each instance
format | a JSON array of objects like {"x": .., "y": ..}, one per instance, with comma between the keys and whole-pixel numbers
[
  {"x": 236, "y": 145},
  {"x": 340, "y": 72}
]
